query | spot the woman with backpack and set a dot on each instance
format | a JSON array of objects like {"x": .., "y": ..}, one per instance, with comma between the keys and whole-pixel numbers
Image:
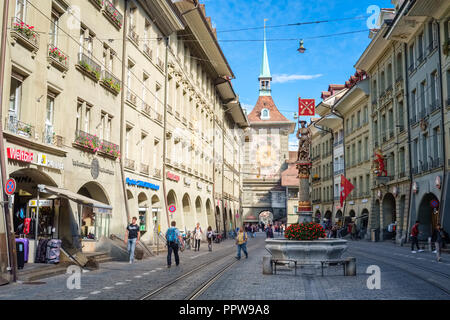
[
  {"x": 209, "y": 236},
  {"x": 197, "y": 237}
]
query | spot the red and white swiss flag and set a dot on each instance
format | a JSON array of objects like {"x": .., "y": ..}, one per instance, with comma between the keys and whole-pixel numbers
[{"x": 346, "y": 188}]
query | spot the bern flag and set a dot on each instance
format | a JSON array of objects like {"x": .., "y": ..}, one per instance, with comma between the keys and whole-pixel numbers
[{"x": 346, "y": 188}]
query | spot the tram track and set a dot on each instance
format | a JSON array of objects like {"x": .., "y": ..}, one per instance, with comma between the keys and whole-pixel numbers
[
  {"x": 199, "y": 290},
  {"x": 387, "y": 260}
]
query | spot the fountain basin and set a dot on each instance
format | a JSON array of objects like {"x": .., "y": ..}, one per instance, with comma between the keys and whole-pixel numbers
[{"x": 308, "y": 252}]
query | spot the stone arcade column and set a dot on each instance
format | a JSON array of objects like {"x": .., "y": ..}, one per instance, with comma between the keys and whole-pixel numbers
[{"x": 304, "y": 168}]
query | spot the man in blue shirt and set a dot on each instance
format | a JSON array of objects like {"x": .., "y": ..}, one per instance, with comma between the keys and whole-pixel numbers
[{"x": 174, "y": 240}]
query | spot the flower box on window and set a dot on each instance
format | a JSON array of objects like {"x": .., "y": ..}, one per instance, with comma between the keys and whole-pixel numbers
[
  {"x": 89, "y": 67},
  {"x": 25, "y": 34},
  {"x": 87, "y": 141},
  {"x": 58, "y": 58},
  {"x": 113, "y": 14},
  {"x": 110, "y": 82},
  {"x": 109, "y": 149}
]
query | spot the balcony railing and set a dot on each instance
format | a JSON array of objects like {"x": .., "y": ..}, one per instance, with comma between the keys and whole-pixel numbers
[
  {"x": 160, "y": 64},
  {"x": 432, "y": 46},
  {"x": 411, "y": 68},
  {"x": 146, "y": 108},
  {"x": 133, "y": 34},
  {"x": 144, "y": 168},
  {"x": 111, "y": 82},
  {"x": 131, "y": 97},
  {"x": 402, "y": 174},
  {"x": 436, "y": 163},
  {"x": 89, "y": 66},
  {"x": 148, "y": 51},
  {"x": 157, "y": 173},
  {"x": 415, "y": 170},
  {"x": 20, "y": 128},
  {"x": 435, "y": 105},
  {"x": 87, "y": 141},
  {"x": 110, "y": 149},
  {"x": 130, "y": 164},
  {"x": 97, "y": 3},
  {"x": 336, "y": 143},
  {"x": 113, "y": 14},
  {"x": 159, "y": 117},
  {"x": 58, "y": 58},
  {"x": 25, "y": 34},
  {"x": 49, "y": 137}
]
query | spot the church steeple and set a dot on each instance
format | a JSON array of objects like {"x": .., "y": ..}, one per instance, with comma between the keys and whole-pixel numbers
[{"x": 265, "y": 77}]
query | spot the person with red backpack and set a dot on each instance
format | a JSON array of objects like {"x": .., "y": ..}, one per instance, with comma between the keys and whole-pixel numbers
[{"x": 414, "y": 239}]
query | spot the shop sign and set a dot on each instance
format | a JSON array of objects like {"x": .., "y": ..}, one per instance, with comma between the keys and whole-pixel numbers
[
  {"x": 187, "y": 181},
  {"x": 94, "y": 167},
  {"x": 143, "y": 184},
  {"x": 352, "y": 202},
  {"x": 42, "y": 203},
  {"x": 379, "y": 194},
  {"x": 44, "y": 161},
  {"x": 438, "y": 182},
  {"x": 199, "y": 186},
  {"x": 317, "y": 207},
  {"x": 208, "y": 188},
  {"x": 173, "y": 177},
  {"x": 20, "y": 155},
  {"x": 364, "y": 201}
]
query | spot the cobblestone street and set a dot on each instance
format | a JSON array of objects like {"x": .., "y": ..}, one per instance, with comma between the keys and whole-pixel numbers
[{"x": 403, "y": 276}]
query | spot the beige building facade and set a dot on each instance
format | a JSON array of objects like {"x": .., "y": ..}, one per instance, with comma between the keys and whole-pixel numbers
[{"x": 108, "y": 114}]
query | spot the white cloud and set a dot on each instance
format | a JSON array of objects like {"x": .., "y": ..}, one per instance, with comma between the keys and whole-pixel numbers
[
  {"x": 282, "y": 78},
  {"x": 293, "y": 145},
  {"x": 247, "y": 107}
]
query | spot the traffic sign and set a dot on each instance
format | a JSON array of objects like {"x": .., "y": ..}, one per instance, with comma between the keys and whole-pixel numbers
[
  {"x": 10, "y": 187},
  {"x": 172, "y": 209},
  {"x": 434, "y": 203}
]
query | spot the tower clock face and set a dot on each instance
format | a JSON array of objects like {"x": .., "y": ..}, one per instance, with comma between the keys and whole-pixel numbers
[{"x": 265, "y": 152}]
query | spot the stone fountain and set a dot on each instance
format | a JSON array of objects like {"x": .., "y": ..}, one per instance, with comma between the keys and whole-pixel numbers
[{"x": 308, "y": 251}]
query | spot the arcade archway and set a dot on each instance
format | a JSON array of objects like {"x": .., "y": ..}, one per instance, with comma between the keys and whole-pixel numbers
[{"x": 428, "y": 215}]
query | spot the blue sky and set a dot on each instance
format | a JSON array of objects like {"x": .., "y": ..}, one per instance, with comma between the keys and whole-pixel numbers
[{"x": 326, "y": 61}]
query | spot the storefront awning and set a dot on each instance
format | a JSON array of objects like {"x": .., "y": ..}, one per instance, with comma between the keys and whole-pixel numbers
[{"x": 78, "y": 198}]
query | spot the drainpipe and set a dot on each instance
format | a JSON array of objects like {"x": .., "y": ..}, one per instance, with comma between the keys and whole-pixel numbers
[
  {"x": 10, "y": 245},
  {"x": 224, "y": 213},
  {"x": 122, "y": 110},
  {"x": 409, "y": 142},
  {"x": 444, "y": 176},
  {"x": 166, "y": 81}
]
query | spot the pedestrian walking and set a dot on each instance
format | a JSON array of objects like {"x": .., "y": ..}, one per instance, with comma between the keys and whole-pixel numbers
[
  {"x": 132, "y": 236},
  {"x": 174, "y": 242},
  {"x": 269, "y": 232},
  {"x": 354, "y": 231},
  {"x": 209, "y": 236},
  {"x": 197, "y": 237},
  {"x": 414, "y": 239},
  {"x": 241, "y": 243},
  {"x": 439, "y": 236}
]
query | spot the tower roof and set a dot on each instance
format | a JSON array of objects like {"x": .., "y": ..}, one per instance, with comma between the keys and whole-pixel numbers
[
  {"x": 265, "y": 69},
  {"x": 266, "y": 102}
]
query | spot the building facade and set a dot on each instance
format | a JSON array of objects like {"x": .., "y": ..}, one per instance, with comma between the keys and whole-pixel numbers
[{"x": 111, "y": 114}]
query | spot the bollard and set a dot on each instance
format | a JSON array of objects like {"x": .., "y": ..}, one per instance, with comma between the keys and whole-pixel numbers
[
  {"x": 350, "y": 269},
  {"x": 267, "y": 265}
]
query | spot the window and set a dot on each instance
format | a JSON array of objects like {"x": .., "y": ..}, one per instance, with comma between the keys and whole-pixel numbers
[
  {"x": 15, "y": 98},
  {"x": 143, "y": 141},
  {"x": 436, "y": 144},
  {"x": 358, "y": 119},
  {"x": 87, "y": 119},
  {"x": 423, "y": 97},
  {"x": 21, "y": 9},
  {"x": 79, "y": 113},
  {"x": 434, "y": 90},
  {"x": 265, "y": 115},
  {"x": 86, "y": 42},
  {"x": 145, "y": 80},
  {"x": 399, "y": 65},
  {"x": 420, "y": 48},
  {"x": 49, "y": 116},
  {"x": 424, "y": 150},
  {"x": 401, "y": 161},
  {"x": 411, "y": 57},
  {"x": 391, "y": 123},
  {"x": 413, "y": 105},
  {"x": 128, "y": 142},
  {"x": 54, "y": 25},
  {"x": 158, "y": 97},
  {"x": 382, "y": 82},
  {"x": 389, "y": 76}
]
